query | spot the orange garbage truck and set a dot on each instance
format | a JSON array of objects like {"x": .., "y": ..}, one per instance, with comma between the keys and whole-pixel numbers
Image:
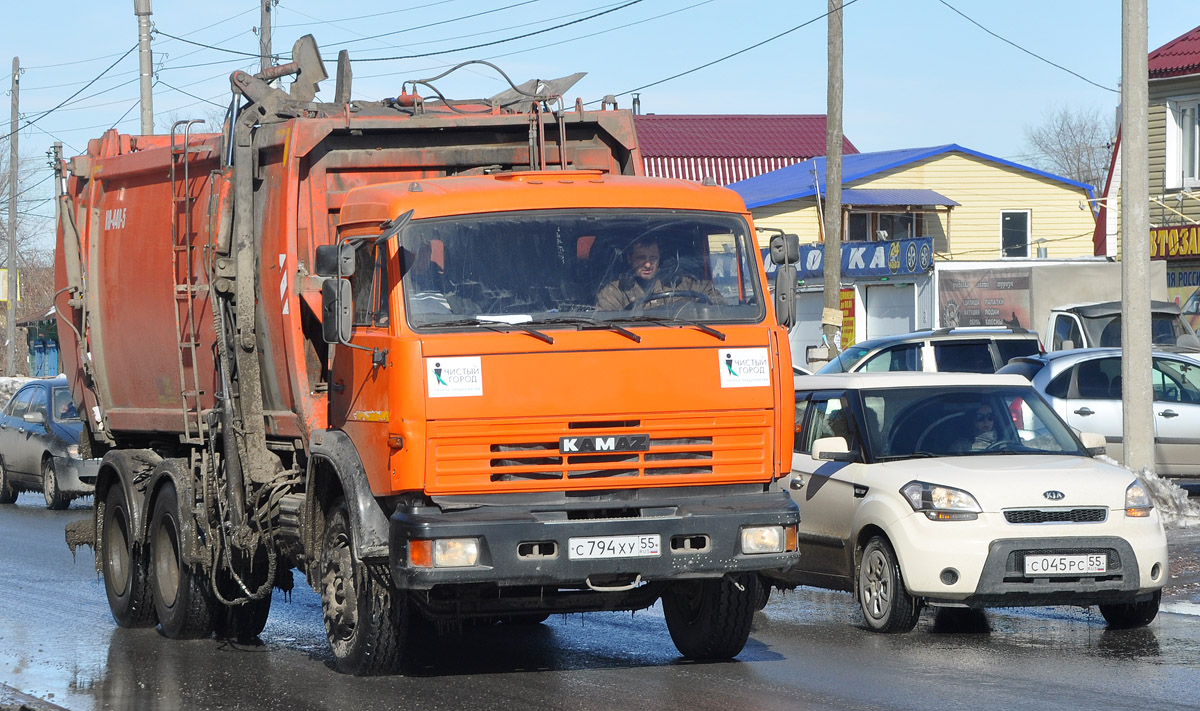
[{"x": 450, "y": 360}]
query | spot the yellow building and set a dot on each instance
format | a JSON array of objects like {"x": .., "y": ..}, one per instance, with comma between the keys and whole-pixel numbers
[{"x": 973, "y": 205}]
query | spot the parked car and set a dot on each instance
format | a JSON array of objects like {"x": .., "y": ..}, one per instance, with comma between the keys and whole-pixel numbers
[
  {"x": 963, "y": 490},
  {"x": 956, "y": 350},
  {"x": 1098, "y": 325},
  {"x": 39, "y": 445},
  {"x": 1084, "y": 387}
]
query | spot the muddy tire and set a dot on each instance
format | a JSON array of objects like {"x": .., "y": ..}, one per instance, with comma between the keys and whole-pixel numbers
[
  {"x": 244, "y": 623},
  {"x": 885, "y": 603},
  {"x": 182, "y": 600},
  {"x": 710, "y": 619},
  {"x": 8, "y": 493},
  {"x": 126, "y": 581},
  {"x": 55, "y": 499},
  {"x": 1130, "y": 615},
  {"x": 366, "y": 619}
]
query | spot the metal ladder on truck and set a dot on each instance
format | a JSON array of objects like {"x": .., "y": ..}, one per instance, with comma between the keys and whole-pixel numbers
[{"x": 187, "y": 291}]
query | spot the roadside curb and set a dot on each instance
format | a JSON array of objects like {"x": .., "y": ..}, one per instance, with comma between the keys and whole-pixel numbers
[{"x": 13, "y": 700}]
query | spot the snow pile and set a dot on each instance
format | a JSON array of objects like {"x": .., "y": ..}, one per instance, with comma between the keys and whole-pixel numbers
[
  {"x": 1171, "y": 501},
  {"x": 8, "y": 386}
]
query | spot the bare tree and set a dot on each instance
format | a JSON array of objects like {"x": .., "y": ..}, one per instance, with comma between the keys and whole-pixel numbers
[{"x": 1073, "y": 143}]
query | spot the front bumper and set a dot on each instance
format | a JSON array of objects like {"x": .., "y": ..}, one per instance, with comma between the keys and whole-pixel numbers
[
  {"x": 76, "y": 477},
  {"x": 526, "y": 545},
  {"x": 990, "y": 567}
]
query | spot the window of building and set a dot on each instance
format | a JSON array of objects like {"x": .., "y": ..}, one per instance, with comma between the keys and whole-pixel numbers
[
  {"x": 871, "y": 226},
  {"x": 1183, "y": 143},
  {"x": 1014, "y": 233}
]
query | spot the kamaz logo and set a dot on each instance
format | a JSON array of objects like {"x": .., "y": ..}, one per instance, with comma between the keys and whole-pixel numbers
[
  {"x": 1054, "y": 495},
  {"x": 616, "y": 443}
]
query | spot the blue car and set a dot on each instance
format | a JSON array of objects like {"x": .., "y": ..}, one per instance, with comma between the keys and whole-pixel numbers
[{"x": 39, "y": 445}]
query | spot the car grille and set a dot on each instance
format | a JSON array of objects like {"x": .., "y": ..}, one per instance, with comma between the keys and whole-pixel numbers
[{"x": 1085, "y": 515}]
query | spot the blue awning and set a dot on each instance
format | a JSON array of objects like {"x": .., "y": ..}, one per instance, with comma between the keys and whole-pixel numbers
[{"x": 892, "y": 197}]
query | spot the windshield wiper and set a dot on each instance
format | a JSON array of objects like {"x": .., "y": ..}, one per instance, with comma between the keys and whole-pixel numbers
[
  {"x": 498, "y": 326},
  {"x": 674, "y": 322},
  {"x": 587, "y": 323},
  {"x": 911, "y": 455}
]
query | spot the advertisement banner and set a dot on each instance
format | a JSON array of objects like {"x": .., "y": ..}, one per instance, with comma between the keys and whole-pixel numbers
[
  {"x": 985, "y": 298},
  {"x": 866, "y": 259}
]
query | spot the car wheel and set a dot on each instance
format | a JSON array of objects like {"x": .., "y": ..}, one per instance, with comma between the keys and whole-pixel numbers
[
  {"x": 710, "y": 619},
  {"x": 181, "y": 597},
  {"x": 8, "y": 493},
  {"x": 55, "y": 499},
  {"x": 366, "y": 619},
  {"x": 1134, "y": 614},
  {"x": 126, "y": 582},
  {"x": 886, "y": 605}
]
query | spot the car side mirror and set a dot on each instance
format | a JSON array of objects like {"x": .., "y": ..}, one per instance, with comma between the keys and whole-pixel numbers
[
  {"x": 832, "y": 449},
  {"x": 334, "y": 260},
  {"x": 1093, "y": 442},
  {"x": 336, "y": 310},
  {"x": 34, "y": 418},
  {"x": 1066, "y": 345}
]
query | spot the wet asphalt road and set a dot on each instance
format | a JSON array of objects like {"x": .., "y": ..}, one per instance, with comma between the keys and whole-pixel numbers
[{"x": 58, "y": 644}]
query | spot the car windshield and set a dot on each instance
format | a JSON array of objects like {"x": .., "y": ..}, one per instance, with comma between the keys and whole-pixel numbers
[
  {"x": 963, "y": 421},
  {"x": 573, "y": 268},
  {"x": 845, "y": 360},
  {"x": 64, "y": 407}
]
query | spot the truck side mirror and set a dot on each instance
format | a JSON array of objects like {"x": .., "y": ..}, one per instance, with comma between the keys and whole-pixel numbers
[
  {"x": 785, "y": 251},
  {"x": 336, "y": 308},
  {"x": 334, "y": 260}
]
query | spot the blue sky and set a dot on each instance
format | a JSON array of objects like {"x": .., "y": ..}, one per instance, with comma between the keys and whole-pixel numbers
[{"x": 916, "y": 72}]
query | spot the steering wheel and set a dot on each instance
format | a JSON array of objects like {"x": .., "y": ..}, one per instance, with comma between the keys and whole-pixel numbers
[
  {"x": 670, "y": 294},
  {"x": 996, "y": 446}
]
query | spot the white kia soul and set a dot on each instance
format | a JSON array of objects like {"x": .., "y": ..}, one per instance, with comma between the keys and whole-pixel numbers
[{"x": 964, "y": 490}]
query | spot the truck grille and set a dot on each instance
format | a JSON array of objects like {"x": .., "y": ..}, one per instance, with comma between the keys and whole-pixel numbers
[
  {"x": 1085, "y": 515},
  {"x": 476, "y": 457}
]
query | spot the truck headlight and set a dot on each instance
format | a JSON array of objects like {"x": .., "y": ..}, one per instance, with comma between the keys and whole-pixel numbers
[
  {"x": 1137, "y": 501},
  {"x": 444, "y": 553},
  {"x": 941, "y": 503},
  {"x": 763, "y": 539}
]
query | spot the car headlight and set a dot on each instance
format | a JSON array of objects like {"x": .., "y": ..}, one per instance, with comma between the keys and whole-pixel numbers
[
  {"x": 73, "y": 451},
  {"x": 941, "y": 503},
  {"x": 1137, "y": 501}
]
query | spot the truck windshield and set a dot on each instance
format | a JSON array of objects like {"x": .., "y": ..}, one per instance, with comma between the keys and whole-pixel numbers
[{"x": 567, "y": 268}]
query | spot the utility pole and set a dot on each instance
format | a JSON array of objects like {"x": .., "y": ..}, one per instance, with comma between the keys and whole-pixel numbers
[
  {"x": 1138, "y": 421},
  {"x": 142, "y": 9},
  {"x": 10, "y": 350},
  {"x": 264, "y": 35},
  {"x": 831, "y": 316}
]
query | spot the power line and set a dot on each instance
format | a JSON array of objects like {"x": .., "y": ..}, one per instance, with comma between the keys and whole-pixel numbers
[
  {"x": 730, "y": 56},
  {"x": 181, "y": 91},
  {"x": 72, "y": 96},
  {"x": 359, "y": 17},
  {"x": 502, "y": 41},
  {"x": 206, "y": 46},
  {"x": 1026, "y": 51},
  {"x": 441, "y": 22}
]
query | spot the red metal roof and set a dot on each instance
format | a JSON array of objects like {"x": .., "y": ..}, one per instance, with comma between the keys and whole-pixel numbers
[
  {"x": 1179, "y": 57},
  {"x": 729, "y": 147}
]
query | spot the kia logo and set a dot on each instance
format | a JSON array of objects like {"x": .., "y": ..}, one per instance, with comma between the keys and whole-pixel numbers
[{"x": 1055, "y": 495}]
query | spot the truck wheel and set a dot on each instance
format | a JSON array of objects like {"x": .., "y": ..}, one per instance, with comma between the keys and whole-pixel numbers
[
  {"x": 125, "y": 580},
  {"x": 55, "y": 499},
  {"x": 8, "y": 493},
  {"x": 181, "y": 598},
  {"x": 243, "y": 623},
  {"x": 1134, "y": 614},
  {"x": 710, "y": 619},
  {"x": 886, "y": 605},
  {"x": 366, "y": 620}
]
